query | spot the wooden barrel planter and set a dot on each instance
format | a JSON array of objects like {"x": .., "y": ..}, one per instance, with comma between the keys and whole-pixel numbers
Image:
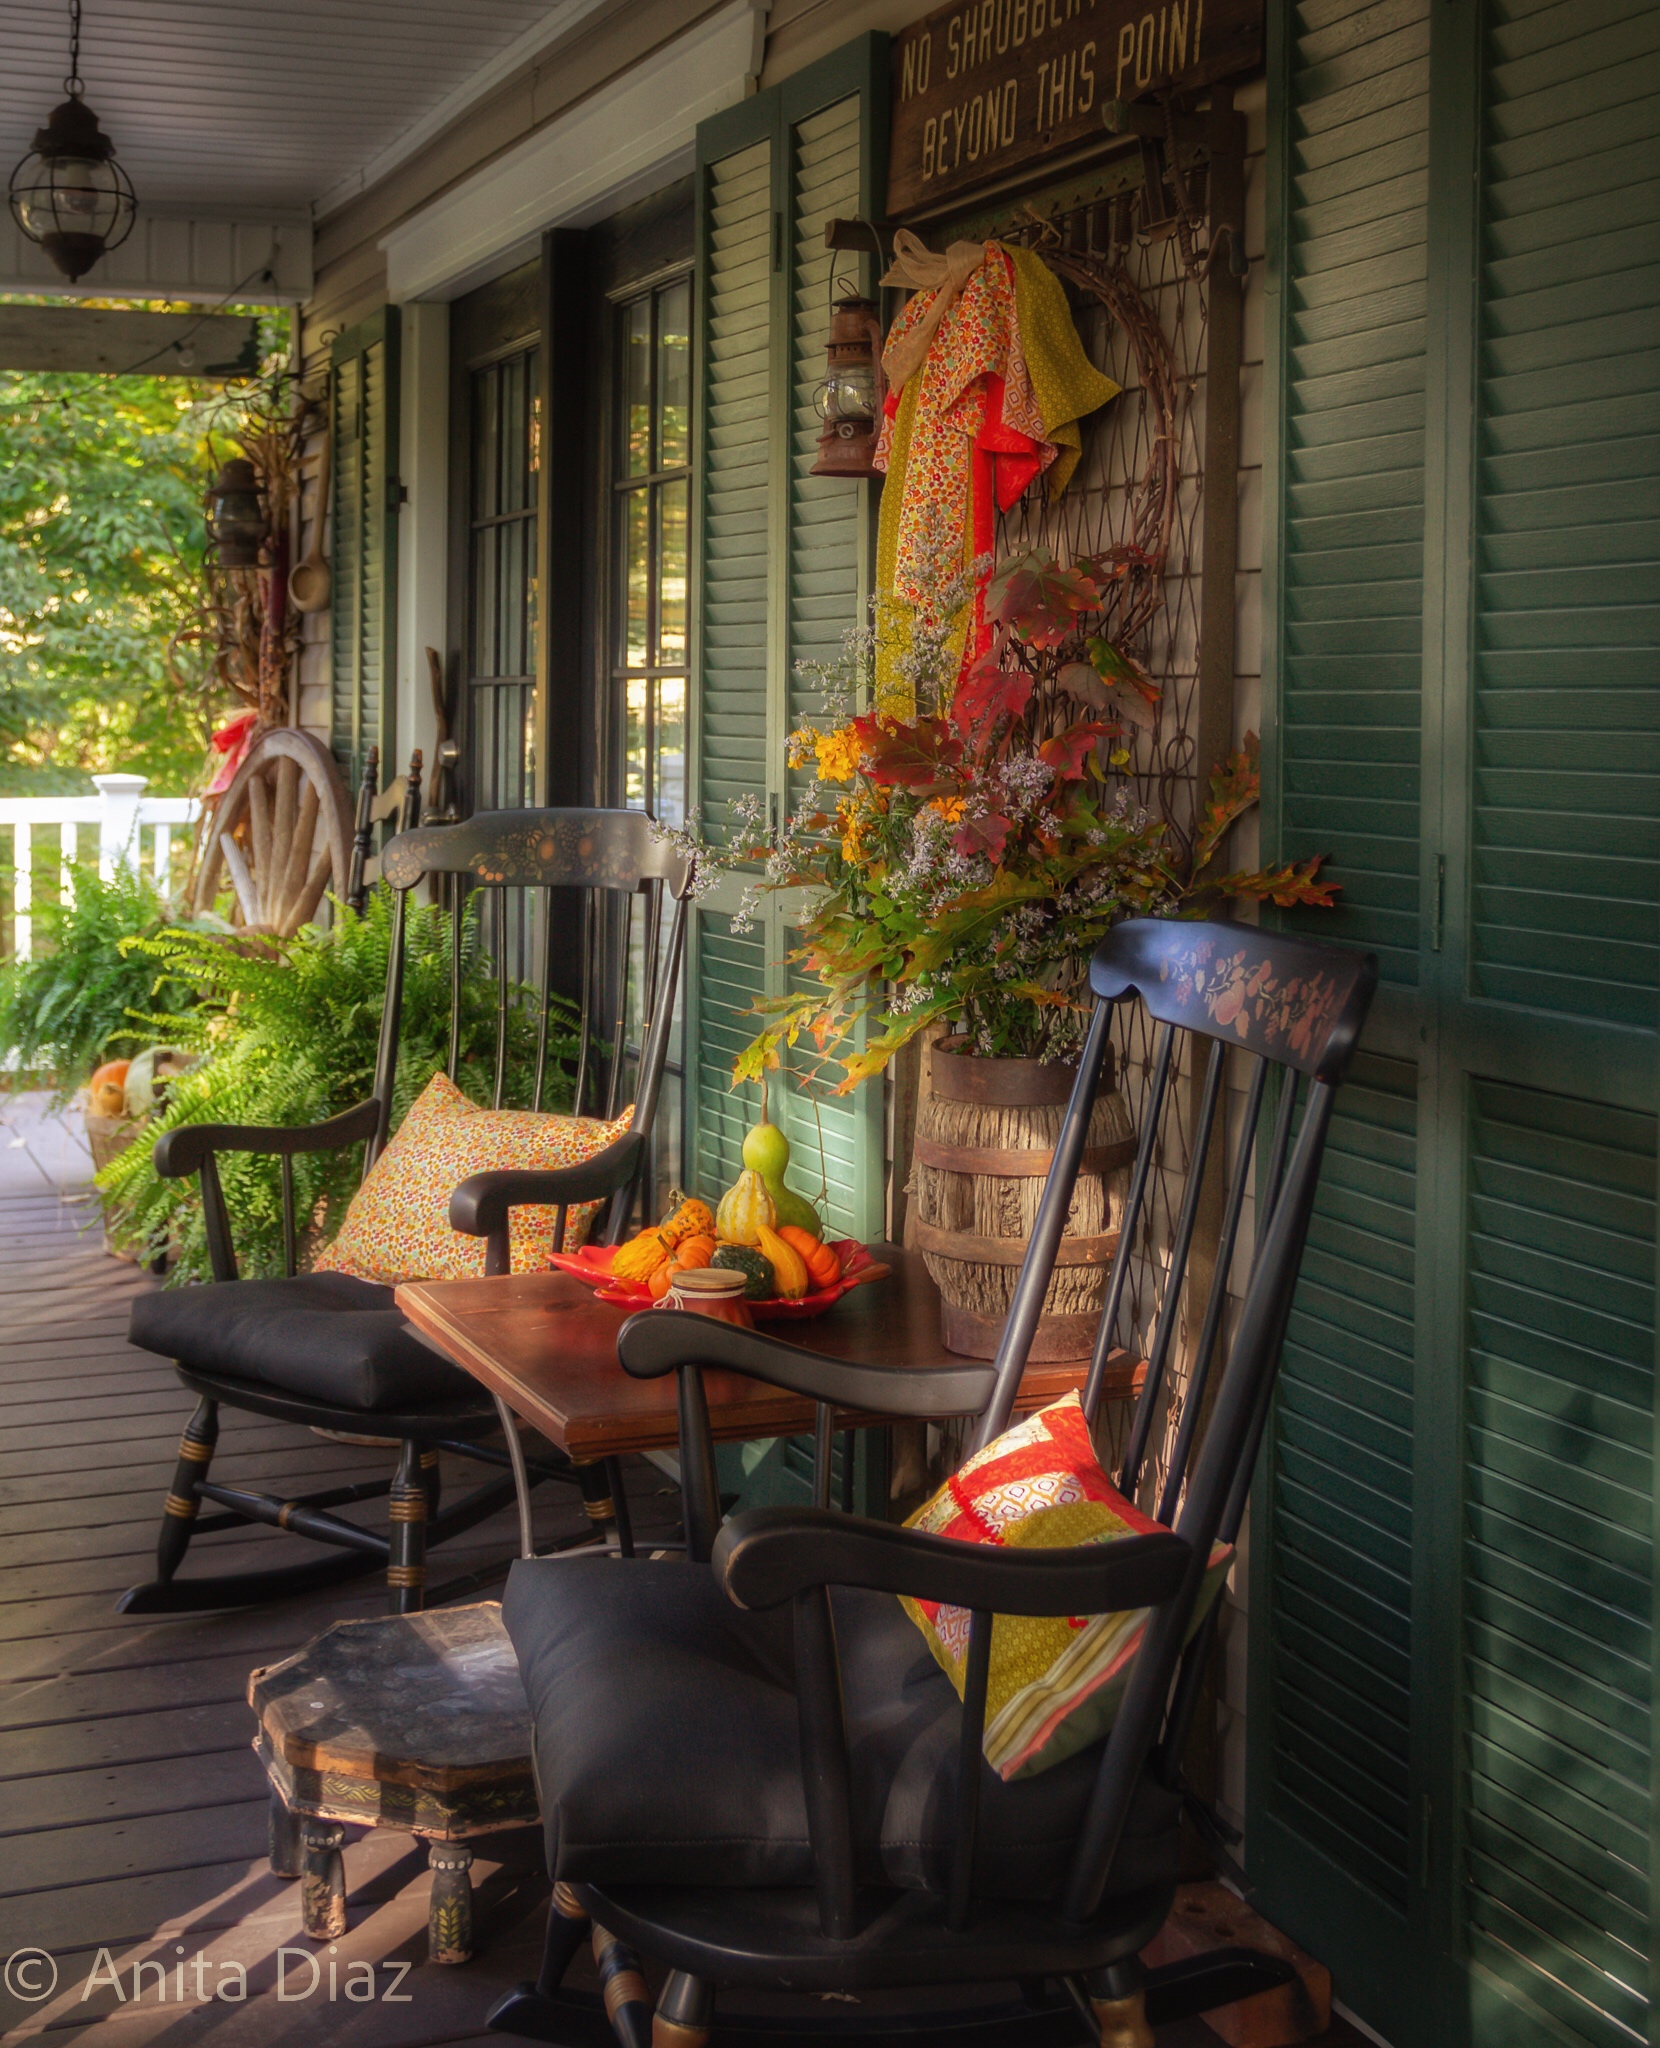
[{"x": 985, "y": 1134}]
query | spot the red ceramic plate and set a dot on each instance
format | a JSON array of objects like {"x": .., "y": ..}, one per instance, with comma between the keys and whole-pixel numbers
[{"x": 593, "y": 1264}]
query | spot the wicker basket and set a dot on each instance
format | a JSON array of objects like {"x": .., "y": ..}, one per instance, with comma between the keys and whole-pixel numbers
[{"x": 108, "y": 1137}]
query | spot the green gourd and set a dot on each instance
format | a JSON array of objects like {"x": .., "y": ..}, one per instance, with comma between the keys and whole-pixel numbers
[
  {"x": 767, "y": 1152},
  {"x": 754, "y": 1265}
]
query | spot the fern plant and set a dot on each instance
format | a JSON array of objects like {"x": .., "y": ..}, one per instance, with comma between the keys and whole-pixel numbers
[
  {"x": 288, "y": 1035},
  {"x": 78, "y": 1001}
]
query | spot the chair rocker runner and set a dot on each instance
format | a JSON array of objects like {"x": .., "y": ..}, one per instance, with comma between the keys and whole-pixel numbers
[
  {"x": 332, "y": 1352},
  {"x": 765, "y": 1781}
]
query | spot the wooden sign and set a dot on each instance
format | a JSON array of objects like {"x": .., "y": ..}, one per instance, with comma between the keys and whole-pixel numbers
[{"x": 988, "y": 87}]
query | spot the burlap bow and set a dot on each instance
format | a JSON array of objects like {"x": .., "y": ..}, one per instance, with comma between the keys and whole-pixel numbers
[{"x": 916, "y": 267}]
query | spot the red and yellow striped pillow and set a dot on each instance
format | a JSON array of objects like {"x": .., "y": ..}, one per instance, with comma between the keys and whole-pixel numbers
[{"x": 1055, "y": 1681}]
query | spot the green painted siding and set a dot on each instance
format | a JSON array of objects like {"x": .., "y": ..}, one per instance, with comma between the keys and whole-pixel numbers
[
  {"x": 1354, "y": 484},
  {"x": 1559, "y": 1556},
  {"x": 1566, "y": 814}
]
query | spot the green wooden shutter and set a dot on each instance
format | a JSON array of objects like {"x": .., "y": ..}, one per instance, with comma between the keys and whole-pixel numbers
[
  {"x": 1330, "y": 1726},
  {"x": 783, "y": 565},
  {"x": 1352, "y": 548},
  {"x": 363, "y": 419},
  {"x": 1559, "y": 1561},
  {"x": 1566, "y": 815},
  {"x": 1462, "y": 1820},
  {"x": 1333, "y": 1821}
]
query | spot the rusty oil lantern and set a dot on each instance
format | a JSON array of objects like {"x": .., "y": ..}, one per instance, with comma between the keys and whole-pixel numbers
[
  {"x": 851, "y": 397},
  {"x": 236, "y": 519}
]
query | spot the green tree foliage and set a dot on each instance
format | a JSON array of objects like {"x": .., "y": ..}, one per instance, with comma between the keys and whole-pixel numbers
[
  {"x": 101, "y": 541},
  {"x": 288, "y": 1036}
]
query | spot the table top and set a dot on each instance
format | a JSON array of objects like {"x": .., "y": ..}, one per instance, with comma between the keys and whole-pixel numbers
[{"x": 549, "y": 1348}]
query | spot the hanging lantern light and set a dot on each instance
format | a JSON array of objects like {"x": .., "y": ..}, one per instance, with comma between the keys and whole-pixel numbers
[
  {"x": 69, "y": 194},
  {"x": 851, "y": 398},
  {"x": 236, "y": 519}
]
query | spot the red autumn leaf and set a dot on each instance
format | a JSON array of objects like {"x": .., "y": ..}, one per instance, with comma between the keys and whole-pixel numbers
[
  {"x": 1234, "y": 788},
  {"x": 987, "y": 835},
  {"x": 915, "y": 756},
  {"x": 1068, "y": 751},
  {"x": 1113, "y": 564},
  {"x": 1294, "y": 883},
  {"x": 1038, "y": 600},
  {"x": 988, "y": 692}
]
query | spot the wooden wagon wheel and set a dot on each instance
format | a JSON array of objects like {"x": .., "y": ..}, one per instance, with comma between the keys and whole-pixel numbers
[{"x": 283, "y": 830}]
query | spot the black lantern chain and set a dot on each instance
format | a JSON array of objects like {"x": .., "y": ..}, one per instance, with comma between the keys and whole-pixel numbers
[
  {"x": 72, "y": 84},
  {"x": 69, "y": 195}
]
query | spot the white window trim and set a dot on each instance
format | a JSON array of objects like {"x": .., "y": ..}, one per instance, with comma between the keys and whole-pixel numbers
[{"x": 618, "y": 144}]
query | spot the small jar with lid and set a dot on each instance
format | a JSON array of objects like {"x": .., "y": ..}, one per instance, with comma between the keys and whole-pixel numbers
[{"x": 711, "y": 1291}]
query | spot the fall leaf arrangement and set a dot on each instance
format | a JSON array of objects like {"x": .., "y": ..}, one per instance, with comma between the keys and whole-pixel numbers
[{"x": 964, "y": 859}]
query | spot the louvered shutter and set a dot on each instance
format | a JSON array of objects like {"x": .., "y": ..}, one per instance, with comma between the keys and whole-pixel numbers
[
  {"x": 1331, "y": 1786},
  {"x": 363, "y": 420},
  {"x": 1453, "y": 1631},
  {"x": 1352, "y": 554},
  {"x": 1565, "y": 823},
  {"x": 1558, "y": 1565},
  {"x": 784, "y": 564}
]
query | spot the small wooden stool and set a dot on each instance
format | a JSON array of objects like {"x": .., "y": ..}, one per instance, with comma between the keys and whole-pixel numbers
[{"x": 413, "y": 1721}]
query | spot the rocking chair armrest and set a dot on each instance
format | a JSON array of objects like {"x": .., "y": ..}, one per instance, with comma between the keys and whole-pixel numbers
[
  {"x": 189, "y": 1147},
  {"x": 651, "y": 1344},
  {"x": 479, "y": 1206},
  {"x": 768, "y": 1555}
]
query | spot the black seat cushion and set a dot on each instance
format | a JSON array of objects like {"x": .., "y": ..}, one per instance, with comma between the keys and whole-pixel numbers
[
  {"x": 321, "y": 1336},
  {"x": 667, "y": 1752}
]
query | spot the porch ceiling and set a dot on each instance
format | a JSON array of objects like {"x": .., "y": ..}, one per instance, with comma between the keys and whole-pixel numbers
[{"x": 232, "y": 107}]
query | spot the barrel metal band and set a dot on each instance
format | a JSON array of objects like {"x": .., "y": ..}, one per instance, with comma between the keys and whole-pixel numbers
[
  {"x": 973, "y": 1250},
  {"x": 1015, "y": 1163}
]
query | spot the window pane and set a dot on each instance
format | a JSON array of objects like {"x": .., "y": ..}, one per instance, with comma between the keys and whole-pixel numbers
[
  {"x": 670, "y": 807},
  {"x": 636, "y": 578},
  {"x": 674, "y": 375},
  {"x": 514, "y": 434},
  {"x": 634, "y": 764},
  {"x": 484, "y": 443},
  {"x": 671, "y": 575},
  {"x": 637, "y": 389},
  {"x": 484, "y": 612},
  {"x": 533, "y": 440}
]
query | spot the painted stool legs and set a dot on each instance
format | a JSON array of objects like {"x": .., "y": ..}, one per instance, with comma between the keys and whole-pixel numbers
[
  {"x": 311, "y": 1851},
  {"x": 450, "y": 1914},
  {"x": 323, "y": 1881}
]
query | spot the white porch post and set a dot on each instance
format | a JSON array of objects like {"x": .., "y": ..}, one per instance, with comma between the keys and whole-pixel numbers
[{"x": 118, "y": 821}]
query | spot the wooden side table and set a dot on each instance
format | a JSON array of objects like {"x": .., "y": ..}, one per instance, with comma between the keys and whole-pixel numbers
[{"x": 413, "y": 1721}]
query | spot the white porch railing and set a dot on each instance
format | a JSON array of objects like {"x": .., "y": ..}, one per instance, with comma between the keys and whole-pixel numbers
[{"x": 122, "y": 813}]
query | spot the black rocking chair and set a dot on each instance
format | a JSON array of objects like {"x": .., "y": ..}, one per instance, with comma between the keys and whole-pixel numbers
[
  {"x": 331, "y": 1352},
  {"x": 765, "y": 1782}
]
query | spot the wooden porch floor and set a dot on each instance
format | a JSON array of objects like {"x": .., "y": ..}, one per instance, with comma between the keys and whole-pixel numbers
[{"x": 132, "y": 1810}]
